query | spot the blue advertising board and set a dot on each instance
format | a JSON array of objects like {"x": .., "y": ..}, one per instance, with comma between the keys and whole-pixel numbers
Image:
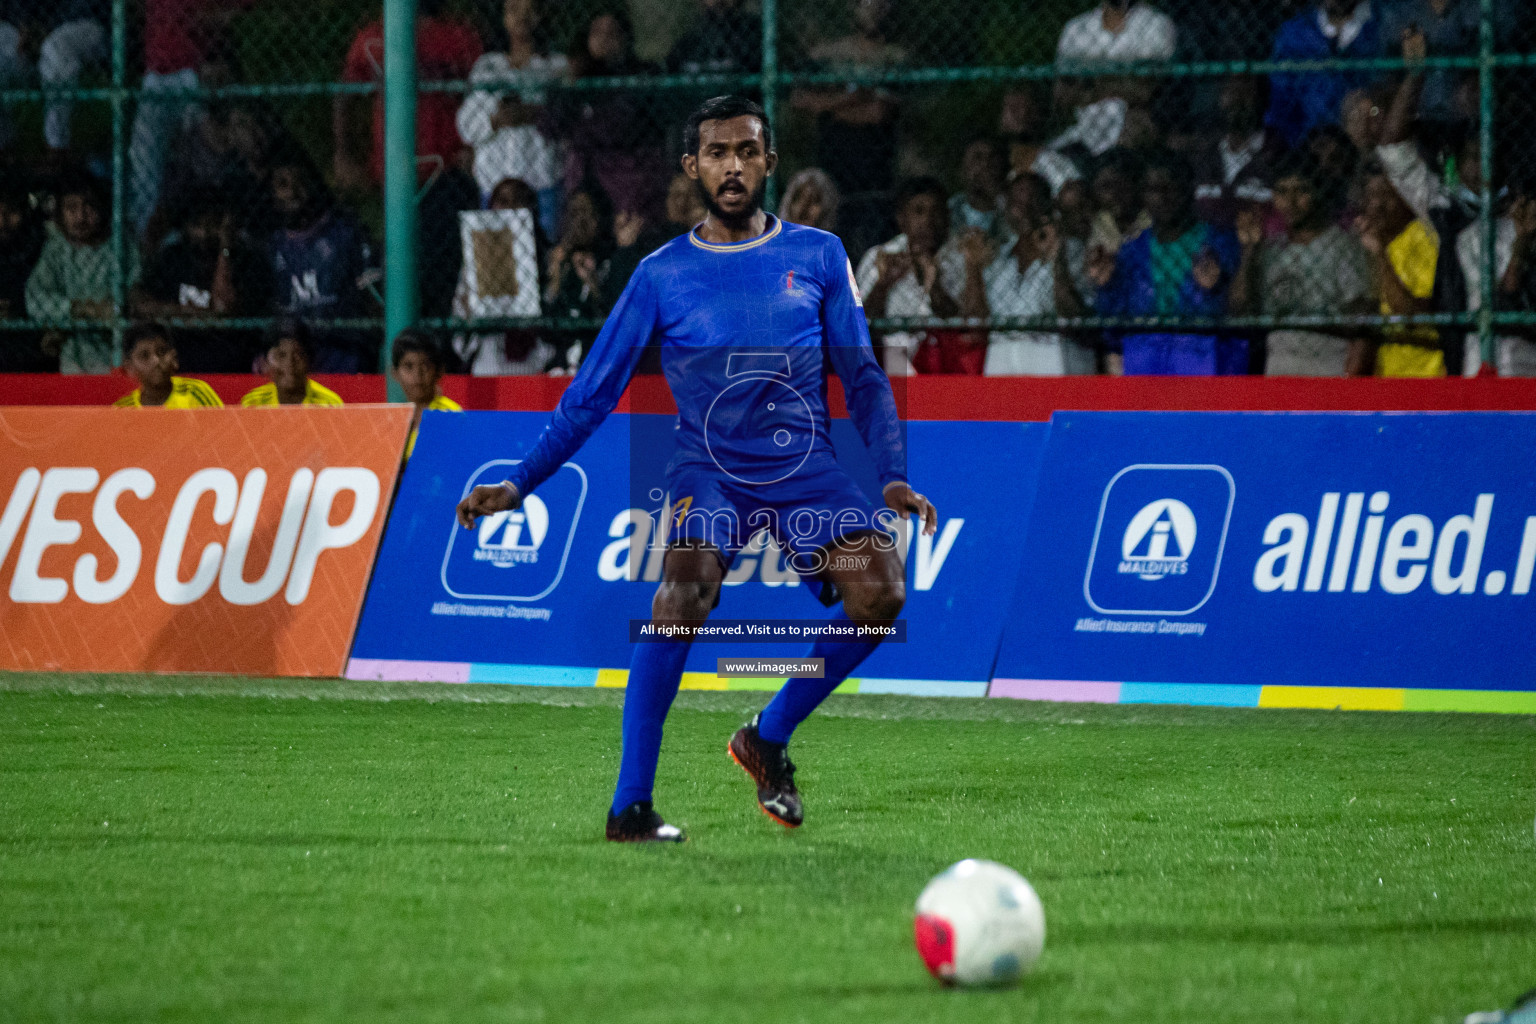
[
  {"x": 545, "y": 594},
  {"x": 1240, "y": 551}
]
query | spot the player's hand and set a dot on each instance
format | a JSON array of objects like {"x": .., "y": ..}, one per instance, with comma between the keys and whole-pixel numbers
[
  {"x": 487, "y": 499},
  {"x": 1415, "y": 47},
  {"x": 902, "y": 499}
]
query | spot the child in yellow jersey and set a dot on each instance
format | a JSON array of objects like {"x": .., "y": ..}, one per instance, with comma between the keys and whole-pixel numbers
[
  {"x": 418, "y": 364},
  {"x": 1402, "y": 252},
  {"x": 149, "y": 357},
  {"x": 290, "y": 353}
]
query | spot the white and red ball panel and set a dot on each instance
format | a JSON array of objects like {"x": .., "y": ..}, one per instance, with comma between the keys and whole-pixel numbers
[{"x": 979, "y": 923}]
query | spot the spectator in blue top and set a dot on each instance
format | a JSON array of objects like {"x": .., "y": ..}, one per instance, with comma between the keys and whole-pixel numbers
[
  {"x": 323, "y": 265},
  {"x": 1179, "y": 267},
  {"x": 1302, "y": 100}
]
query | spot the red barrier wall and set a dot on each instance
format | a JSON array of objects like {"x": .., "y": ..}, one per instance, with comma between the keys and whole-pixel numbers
[{"x": 921, "y": 398}]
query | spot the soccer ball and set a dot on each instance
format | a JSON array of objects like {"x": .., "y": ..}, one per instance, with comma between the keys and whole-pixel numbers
[{"x": 979, "y": 923}]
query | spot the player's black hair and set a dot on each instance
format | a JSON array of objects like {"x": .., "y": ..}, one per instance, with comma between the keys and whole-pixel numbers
[
  {"x": 723, "y": 108},
  {"x": 143, "y": 330},
  {"x": 416, "y": 341},
  {"x": 290, "y": 328},
  {"x": 924, "y": 185}
]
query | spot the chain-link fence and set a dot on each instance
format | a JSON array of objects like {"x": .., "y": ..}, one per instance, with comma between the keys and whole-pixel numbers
[{"x": 1222, "y": 186}]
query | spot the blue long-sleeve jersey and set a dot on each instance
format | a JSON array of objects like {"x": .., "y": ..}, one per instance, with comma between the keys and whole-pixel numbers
[{"x": 744, "y": 331}]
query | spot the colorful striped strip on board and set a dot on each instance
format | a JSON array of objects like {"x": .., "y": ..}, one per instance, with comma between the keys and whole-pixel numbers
[{"x": 1341, "y": 698}]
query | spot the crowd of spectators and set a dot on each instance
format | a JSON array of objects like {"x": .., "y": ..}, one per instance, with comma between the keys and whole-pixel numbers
[{"x": 1328, "y": 195}]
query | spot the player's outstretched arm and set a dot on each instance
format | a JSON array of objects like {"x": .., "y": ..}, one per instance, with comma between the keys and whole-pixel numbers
[
  {"x": 485, "y": 500},
  {"x": 903, "y": 500},
  {"x": 593, "y": 392}
]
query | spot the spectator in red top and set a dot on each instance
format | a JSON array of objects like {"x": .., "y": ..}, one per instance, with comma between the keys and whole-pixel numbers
[
  {"x": 181, "y": 51},
  {"x": 445, "y": 49}
]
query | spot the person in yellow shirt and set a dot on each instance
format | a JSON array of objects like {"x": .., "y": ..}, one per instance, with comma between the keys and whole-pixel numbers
[
  {"x": 149, "y": 357},
  {"x": 290, "y": 353},
  {"x": 418, "y": 364},
  {"x": 1403, "y": 252}
]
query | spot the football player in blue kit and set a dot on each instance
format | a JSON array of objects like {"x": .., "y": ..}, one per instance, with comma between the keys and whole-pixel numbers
[{"x": 747, "y": 311}]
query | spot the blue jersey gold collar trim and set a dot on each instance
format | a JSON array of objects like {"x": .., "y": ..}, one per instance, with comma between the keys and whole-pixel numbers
[{"x": 751, "y": 243}]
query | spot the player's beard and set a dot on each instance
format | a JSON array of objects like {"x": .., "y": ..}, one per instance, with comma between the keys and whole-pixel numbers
[{"x": 733, "y": 221}]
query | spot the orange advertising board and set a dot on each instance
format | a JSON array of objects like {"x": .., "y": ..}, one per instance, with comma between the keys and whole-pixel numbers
[{"x": 208, "y": 540}]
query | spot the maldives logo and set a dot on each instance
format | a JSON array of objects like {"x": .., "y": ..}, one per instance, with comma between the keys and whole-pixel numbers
[
  {"x": 1158, "y": 540},
  {"x": 1158, "y": 543},
  {"x": 514, "y": 537},
  {"x": 519, "y": 554}
]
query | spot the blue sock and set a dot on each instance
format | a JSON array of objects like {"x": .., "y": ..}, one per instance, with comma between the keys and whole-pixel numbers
[
  {"x": 655, "y": 672},
  {"x": 799, "y": 697}
]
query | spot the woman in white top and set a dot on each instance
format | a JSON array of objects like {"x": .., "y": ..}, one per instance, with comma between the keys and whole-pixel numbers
[{"x": 498, "y": 119}]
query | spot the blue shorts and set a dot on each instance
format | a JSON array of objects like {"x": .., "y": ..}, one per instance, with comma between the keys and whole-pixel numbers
[{"x": 804, "y": 512}]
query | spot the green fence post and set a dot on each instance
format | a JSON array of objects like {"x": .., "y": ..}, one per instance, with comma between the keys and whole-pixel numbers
[
  {"x": 119, "y": 164},
  {"x": 400, "y": 284},
  {"x": 1486, "y": 225},
  {"x": 771, "y": 81}
]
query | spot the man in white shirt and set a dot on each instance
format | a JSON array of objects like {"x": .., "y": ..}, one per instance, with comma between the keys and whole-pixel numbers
[
  {"x": 497, "y": 118},
  {"x": 1514, "y": 286},
  {"x": 1031, "y": 277},
  {"x": 1115, "y": 32},
  {"x": 916, "y": 274}
]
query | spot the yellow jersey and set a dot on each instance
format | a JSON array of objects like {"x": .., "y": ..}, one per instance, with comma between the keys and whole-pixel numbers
[
  {"x": 314, "y": 394},
  {"x": 186, "y": 393},
  {"x": 439, "y": 404}
]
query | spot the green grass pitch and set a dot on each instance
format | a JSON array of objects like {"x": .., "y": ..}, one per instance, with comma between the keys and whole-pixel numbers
[{"x": 194, "y": 849}]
